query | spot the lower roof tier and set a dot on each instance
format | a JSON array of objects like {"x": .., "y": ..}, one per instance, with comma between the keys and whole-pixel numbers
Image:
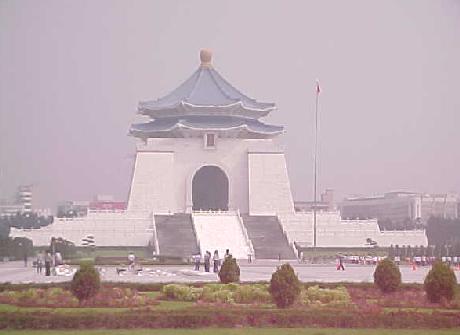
[{"x": 180, "y": 125}]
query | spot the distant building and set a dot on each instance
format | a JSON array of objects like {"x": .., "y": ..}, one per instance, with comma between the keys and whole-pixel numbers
[
  {"x": 107, "y": 205},
  {"x": 72, "y": 208},
  {"x": 7, "y": 208},
  {"x": 326, "y": 203},
  {"x": 401, "y": 206},
  {"x": 24, "y": 198},
  {"x": 20, "y": 203}
]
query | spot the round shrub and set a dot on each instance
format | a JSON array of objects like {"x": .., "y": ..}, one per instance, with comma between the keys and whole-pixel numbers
[
  {"x": 284, "y": 286},
  {"x": 230, "y": 271},
  {"x": 387, "y": 276},
  {"x": 86, "y": 282},
  {"x": 440, "y": 283}
]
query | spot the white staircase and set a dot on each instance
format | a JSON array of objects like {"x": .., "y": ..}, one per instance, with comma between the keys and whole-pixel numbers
[{"x": 221, "y": 231}]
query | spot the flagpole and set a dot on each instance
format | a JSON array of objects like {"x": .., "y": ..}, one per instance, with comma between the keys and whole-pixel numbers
[{"x": 315, "y": 165}]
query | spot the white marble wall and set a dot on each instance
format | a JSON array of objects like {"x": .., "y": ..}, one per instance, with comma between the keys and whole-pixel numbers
[
  {"x": 153, "y": 183},
  {"x": 332, "y": 231},
  {"x": 162, "y": 180},
  {"x": 269, "y": 187},
  {"x": 108, "y": 228}
]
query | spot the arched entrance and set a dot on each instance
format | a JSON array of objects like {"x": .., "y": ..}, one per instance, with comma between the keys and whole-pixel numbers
[{"x": 210, "y": 189}]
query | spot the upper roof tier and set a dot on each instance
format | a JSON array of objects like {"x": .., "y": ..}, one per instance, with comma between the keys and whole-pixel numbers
[{"x": 206, "y": 92}]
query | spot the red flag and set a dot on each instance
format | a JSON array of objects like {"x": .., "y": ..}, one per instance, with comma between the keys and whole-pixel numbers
[{"x": 318, "y": 89}]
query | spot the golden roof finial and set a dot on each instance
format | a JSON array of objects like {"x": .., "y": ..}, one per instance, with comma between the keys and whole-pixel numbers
[{"x": 206, "y": 57}]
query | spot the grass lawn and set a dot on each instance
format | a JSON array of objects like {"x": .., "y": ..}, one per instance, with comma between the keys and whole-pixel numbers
[{"x": 239, "y": 331}]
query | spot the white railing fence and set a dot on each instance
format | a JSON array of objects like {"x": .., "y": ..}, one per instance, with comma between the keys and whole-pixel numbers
[
  {"x": 246, "y": 236},
  {"x": 155, "y": 236}
]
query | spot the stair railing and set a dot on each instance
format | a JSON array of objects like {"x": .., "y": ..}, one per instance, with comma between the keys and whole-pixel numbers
[
  {"x": 196, "y": 235},
  {"x": 155, "y": 235},
  {"x": 290, "y": 241},
  {"x": 245, "y": 234}
]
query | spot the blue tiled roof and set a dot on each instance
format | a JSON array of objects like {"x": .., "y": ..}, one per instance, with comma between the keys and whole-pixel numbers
[
  {"x": 206, "y": 92},
  {"x": 164, "y": 127}
]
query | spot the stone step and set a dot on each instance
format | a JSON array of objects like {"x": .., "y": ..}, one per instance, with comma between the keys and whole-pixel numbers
[
  {"x": 175, "y": 235},
  {"x": 267, "y": 237}
]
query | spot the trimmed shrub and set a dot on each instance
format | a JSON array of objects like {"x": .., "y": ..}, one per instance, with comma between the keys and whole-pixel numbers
[
  {"x": 440, "y": 283},
  {"x": 315, "y": 295},
  {"x": 251, "y": 294},
  {"x": 181, "y": 292},
  {"x": 219, "y": 294},
  {"x": 284, "y": 286},
  {"x": 86, "y": 282},
  {"x": 387, "y": 276},
  {"x": 230, "y": 271}
]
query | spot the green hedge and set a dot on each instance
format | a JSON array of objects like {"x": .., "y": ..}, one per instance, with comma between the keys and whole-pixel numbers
[
  {"x": 156, "y": 287},
  {"x": 198, "y": 317},
  {"x": 219, "y": 293}
]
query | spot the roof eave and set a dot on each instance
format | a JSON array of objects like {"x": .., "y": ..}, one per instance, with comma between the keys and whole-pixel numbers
[{"x": 184, "y": 108}]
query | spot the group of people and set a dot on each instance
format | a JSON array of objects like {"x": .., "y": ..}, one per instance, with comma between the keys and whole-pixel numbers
[
  {"x": 208, "y": 258},
  {"x": 45, "y": 261}
]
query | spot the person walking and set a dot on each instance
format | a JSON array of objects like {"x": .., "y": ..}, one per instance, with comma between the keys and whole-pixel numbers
[
  {"x": 216, "y": 261},
  {"x": 197, "y": 262},
  {"x": 131, "y": 261},
  {"x": 39, "y": 263},
  {"x": 340, "y": 263},
  {"x": 48, "y": 264},
  {"x": 207, "y": 261}
]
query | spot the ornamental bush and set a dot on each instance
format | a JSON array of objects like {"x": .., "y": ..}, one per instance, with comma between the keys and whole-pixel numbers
[
  {"x": 86, "y": 282},
  {"x": 314, "y": 295},
  {"x": 230, "y": 271},
  {"x": 284, "y": 286},
  {"x": 181, "y": 292},
  {"x": 387, "y": 276},
  {"x": 440, "y": 283},
  {"x": 252, "y": 294}
]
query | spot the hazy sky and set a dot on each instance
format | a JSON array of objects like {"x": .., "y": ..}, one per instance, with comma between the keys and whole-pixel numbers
[{"x": 72, "y": 73}]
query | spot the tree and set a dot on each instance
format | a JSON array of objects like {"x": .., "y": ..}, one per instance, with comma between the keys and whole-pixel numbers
[
  {"x": 409, "y": 251},
  {"x": 284, "y": 286},
  {"x": 86, "y": 282},
  {"x": 391, "y": 252},
  {"x": 230, "y": 271},
  {"x": 422, "y": 251},
  {"x": 442, "y": 231},
  {"x": 440, "y": 282},
  {"x": 387, "y": 276},
  {"x": 4, "y": 228},
  {"x": 28, "y": 220},
  {"x": 16, "y": 248},
  {"x": 64, "y": 247}
]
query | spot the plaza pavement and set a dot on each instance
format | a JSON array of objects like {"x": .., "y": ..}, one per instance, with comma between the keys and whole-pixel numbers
[{"x": 15, "y": 272}]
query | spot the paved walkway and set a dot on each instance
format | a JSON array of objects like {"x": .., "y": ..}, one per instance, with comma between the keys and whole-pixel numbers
[{"x": 15, "y": 272}]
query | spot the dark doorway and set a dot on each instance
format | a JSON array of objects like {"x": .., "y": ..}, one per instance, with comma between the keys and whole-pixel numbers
[{"x": 210, "y": 189}]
